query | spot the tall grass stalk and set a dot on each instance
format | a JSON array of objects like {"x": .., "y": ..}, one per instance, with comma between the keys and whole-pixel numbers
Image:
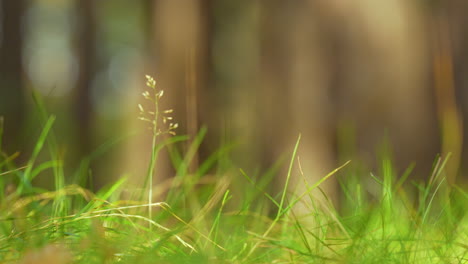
[
  {"x": 154, "y": 117},
  {"x": 154, "y": 155}
]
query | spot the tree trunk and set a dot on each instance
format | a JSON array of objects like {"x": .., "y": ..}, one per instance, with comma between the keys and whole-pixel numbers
[
  {"x": 86, "y": 49},
  {"x": 12, "y": 106}
]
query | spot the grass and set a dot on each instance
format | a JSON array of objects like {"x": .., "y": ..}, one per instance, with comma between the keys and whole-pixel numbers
[{"x": 228, "y": 216}]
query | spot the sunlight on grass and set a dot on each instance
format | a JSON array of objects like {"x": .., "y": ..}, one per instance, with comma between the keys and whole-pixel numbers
[{"x": 382, "y": 216}]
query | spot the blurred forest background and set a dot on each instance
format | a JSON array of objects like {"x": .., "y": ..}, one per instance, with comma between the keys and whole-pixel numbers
[{"x": 345, "y": 74}]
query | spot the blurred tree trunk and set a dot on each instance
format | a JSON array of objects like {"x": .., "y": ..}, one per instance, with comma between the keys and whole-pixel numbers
[
  {"x": 177, "y": 41},
  {"x": 198, "y": 82},
  {"x": 181, "y": 29},
  {"x": 454, "y": 12},
  {"x": 448, "y": 39},
  {"x": 229, "y": 107},
  {"x": 12, "y": 106},
  {"x": 295, "y": 71},
  {"x": 86, "y": 50}
]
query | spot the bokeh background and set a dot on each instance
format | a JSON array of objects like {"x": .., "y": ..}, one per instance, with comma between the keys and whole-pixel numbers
[{"x": 347, "y": 75}]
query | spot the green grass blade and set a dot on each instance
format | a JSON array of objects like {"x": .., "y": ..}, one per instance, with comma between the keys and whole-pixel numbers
[
  {"x": 259, "y": 188},
  {"x": 311, "y": 188},
  {"x": 288, "y": 177},
  {"x": 213, "y": 234},
  {"x": 27, "y": 176}
]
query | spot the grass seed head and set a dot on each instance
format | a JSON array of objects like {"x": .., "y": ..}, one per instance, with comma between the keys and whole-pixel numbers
[{"x": 154, "y": 116}]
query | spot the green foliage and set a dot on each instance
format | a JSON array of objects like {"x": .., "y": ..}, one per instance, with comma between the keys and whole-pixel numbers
[{"x": 207, "y": 218}]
